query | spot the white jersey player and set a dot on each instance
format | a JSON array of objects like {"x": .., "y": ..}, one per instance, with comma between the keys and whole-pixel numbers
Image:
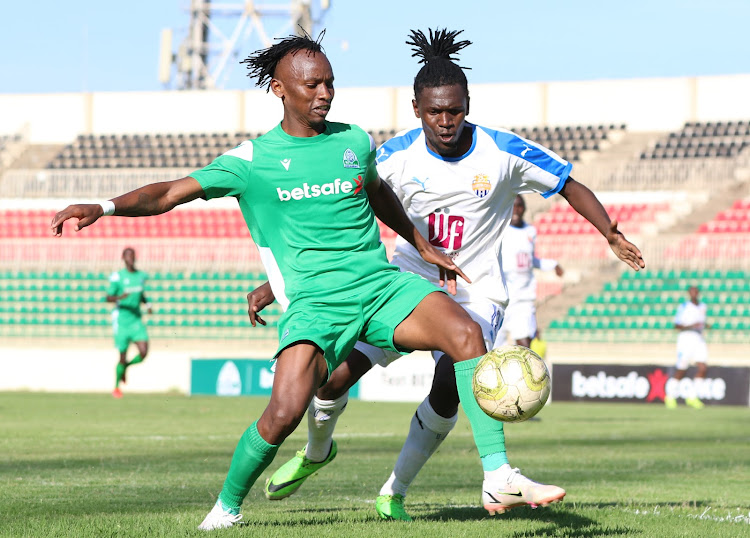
[
  {"x": 457, "y": 182},
  {"x": 690, "y": 321},
  {"x": 519, "y": 261}
]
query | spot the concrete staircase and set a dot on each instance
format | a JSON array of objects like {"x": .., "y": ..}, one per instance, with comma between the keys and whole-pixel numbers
[
  {"x": 719, "y": 199},
  {"x": 36, "y": 156}
]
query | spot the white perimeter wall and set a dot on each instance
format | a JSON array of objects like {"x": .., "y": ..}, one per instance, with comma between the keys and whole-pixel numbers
[
  {"x": 642, "y": 104},
  {"x": 92, "y": 369}
]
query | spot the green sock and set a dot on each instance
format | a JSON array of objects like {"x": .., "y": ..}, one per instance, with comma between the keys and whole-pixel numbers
[
  {"x": 251, "y": 457},
  {"x": 135, "y": 360},
  {"x": 488, "y": 432},
  {"x": 119, "y": 373}
]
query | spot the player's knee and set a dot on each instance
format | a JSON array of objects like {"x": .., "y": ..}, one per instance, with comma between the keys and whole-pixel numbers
[
  {"x": 468, "y": 341},
  {"x": 284, "y": 420}
]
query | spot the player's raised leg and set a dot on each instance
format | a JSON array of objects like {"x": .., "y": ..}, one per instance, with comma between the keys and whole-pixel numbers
[{"x": 300, "y": 369}]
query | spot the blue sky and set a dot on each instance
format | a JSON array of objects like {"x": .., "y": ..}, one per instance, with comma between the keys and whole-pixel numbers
[{"x": 85, "y": 45}]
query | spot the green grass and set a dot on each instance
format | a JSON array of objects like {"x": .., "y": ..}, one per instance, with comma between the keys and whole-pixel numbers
[{"x": 151, "y": 465}]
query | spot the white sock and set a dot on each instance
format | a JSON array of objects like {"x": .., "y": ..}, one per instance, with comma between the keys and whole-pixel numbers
[
  {"x": 321, "y": 421},
  {"x": 500, "y": 474},
  {"x": 426, "y": 431}
]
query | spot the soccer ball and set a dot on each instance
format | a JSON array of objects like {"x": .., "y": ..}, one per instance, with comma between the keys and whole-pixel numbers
[{"x": 511, "y": 383}]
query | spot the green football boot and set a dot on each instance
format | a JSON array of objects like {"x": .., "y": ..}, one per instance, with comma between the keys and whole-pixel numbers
[
  {"x": 391, "y": 507},
  {"x": 293, "y": 473}
]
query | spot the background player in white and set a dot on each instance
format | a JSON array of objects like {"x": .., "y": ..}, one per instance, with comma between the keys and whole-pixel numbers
[
  {"x": 519, "y": 261},
  {"x": 690, "y": 320},
  {"x": 457, "y": 182}
]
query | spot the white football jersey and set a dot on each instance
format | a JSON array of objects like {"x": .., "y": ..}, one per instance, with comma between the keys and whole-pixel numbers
[
  {"x": 463, "y": 204},
  {"x": 689, "y": 313},
  {"x": 519, "y": 261}
]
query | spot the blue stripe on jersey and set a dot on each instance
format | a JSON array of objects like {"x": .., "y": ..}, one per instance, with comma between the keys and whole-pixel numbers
[
  {"x": 537, "y": 155},
  {"x": 397, "y": 143}
]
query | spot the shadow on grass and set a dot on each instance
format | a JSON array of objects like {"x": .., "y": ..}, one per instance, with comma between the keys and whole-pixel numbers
[{"x": 556, "y": 522}]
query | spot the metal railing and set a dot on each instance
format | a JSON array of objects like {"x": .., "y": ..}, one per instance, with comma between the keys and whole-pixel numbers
[{"x": 96, "y": 183}]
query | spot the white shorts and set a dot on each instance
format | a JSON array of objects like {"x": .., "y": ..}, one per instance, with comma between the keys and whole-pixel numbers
[
  {"x": 691, "y": 348},
  {"x": 488, "y": 315},
  {"x": 519, "y": 323}
]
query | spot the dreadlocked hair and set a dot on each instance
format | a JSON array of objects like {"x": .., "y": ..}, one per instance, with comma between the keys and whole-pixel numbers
[
  {"x": 262, "y": 63},
  {"x": 437, "y": 55}
]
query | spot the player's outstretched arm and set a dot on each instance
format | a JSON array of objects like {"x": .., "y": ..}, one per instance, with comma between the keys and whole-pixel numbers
[
  {"x": 588, "y": 206},
  {"x": 151, "y": 199},
  {"x": 257, "y": 300},
  {"x": 389, "y": 210}
]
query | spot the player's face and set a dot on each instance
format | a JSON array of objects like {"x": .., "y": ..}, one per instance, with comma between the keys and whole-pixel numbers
[
  {"x": 128, "y": 256},
  {"x": 443, "y": 112},
  {"x": 519, "y": 208},
  {"x": 304, "y": 82},
  {"x": 694, "y": 293}
]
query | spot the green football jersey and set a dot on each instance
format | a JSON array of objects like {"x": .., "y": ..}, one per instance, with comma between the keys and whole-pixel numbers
[
  {"x": 123, "y": 281},
  {"x": 304, "y": 202}
]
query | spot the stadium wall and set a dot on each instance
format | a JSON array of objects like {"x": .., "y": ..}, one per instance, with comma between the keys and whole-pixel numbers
[
  {"x": 642, "y": 104},
  {"x": 168, "y": 366}
]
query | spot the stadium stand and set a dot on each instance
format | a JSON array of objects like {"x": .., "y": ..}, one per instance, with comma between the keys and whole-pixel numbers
[
  {"x": 196, "y": 149},
  {"x": 726, "y": 233},
  {"x": 641, "y": 307},
  {"x": 700, "y": 140},
  {"x": 71, "y": 304},
  {"x": 184, "y": 223},
  {"x": 202, "y": 261},
  {"x": 571, "y": 141},
  {"x": 155, "y": 151}
]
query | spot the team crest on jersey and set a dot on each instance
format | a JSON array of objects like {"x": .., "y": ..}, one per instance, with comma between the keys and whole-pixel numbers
[
  {"x": 481, "y": 185},
  {"x": 350, "y": 159}
]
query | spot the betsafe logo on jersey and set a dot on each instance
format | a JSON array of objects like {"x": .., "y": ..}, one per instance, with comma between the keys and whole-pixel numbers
[{"x": 337, "y": 186}]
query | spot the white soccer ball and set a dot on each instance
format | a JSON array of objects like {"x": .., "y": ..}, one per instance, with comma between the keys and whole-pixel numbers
[{"x": 511, "y": 383}]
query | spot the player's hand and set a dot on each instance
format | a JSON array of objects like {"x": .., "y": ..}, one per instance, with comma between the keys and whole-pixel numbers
[
  {"x": 448, "y": 269},
  {"x": 257, "y": 300},
  {"x": 624, "y": 249},
  {"x": 87, "y": 214},
  {"x": 559, "y": 270}
]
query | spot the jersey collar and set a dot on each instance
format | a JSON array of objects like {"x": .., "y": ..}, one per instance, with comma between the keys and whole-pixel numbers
[{"x": 467, "y": 125}]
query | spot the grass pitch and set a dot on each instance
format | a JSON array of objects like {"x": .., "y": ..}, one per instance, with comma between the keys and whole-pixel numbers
[{"x": 152, "y": 465}]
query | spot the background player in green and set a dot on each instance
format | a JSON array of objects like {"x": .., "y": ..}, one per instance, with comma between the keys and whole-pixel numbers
[
  {"x": 126, "y": 290},
  {"x": 309, "y": 193}
]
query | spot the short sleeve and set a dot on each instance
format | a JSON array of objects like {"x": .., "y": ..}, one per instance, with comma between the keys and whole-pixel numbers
[
  {"x": 228, "y": 174},
  {"x": 371, "y": 173},
  {"x": 114, "y": 284},
  {"x": 678, "y": 315},
  {"x": 533, "y": 167}
]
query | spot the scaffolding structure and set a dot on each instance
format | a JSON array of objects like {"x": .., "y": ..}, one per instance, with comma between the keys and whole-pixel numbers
[{"x": 218, "y": 30}]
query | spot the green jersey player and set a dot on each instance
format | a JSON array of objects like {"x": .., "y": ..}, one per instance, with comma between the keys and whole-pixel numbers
[
  {"x": 126, "y": 290},
  {"x": 309, "y": 194}
]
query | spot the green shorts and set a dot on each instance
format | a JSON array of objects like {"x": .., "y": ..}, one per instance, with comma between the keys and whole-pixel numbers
[
  {"x": 127, "y": 328},
  {"x": 335, "y": 325}
]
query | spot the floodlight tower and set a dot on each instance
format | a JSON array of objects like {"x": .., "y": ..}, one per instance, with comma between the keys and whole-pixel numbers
[{"x": 218, "y": 29}]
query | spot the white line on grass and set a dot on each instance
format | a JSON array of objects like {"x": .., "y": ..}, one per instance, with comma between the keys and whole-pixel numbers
[{"x": 729, "y": 518}]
